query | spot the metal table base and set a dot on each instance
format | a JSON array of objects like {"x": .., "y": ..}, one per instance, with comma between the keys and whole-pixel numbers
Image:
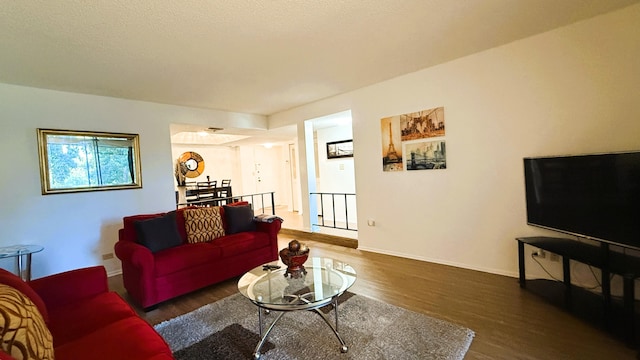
[{"x": 263, "y": 337}]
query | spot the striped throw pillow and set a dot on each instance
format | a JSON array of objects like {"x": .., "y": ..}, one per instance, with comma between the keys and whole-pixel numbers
[{"x": 24, "y": 335}]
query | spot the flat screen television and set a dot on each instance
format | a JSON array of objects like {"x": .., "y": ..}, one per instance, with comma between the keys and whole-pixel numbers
[{"x": 592, "y": 196}]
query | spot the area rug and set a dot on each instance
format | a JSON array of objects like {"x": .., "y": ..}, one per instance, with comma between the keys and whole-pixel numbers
[{"x": 228, "y": 329}]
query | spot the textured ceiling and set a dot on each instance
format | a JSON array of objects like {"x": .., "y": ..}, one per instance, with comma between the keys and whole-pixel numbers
[{"x": 255, "y": 56}]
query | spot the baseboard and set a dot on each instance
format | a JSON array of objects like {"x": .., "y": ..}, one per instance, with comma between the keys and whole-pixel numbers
[
  {"x": 114, "y": 272},
  {"x": 441, "y": 262},
  {"x": 323, "y": 238}
]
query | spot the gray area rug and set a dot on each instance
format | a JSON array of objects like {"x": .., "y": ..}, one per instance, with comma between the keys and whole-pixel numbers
[{"x": 228, "y": 329}]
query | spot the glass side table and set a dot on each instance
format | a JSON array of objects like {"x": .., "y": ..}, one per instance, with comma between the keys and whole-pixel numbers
[{"x": 22, "y": 253}]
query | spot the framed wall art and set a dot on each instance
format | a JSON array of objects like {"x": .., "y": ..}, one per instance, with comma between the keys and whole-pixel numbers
[
  {"x": 74, "y": 161},
  {"x": 414, "y": 141},
  {"x": 339, "y": 149}
]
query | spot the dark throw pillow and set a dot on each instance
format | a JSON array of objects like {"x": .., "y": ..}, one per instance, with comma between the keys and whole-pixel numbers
[
  {"x": 159, "y": 233},
  {"x": 239, "y": 219}
]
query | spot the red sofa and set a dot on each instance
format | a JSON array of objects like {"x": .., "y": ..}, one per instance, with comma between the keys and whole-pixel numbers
[
  {"x": 153, "y": 277},
  {"x": 86, "y": 320}
]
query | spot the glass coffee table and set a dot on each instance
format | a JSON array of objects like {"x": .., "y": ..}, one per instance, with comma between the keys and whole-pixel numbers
[{"x": 271, "y": 288}]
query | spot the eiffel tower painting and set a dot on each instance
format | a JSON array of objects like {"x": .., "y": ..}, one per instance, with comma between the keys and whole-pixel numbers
[{"x": 391, "y": 158}]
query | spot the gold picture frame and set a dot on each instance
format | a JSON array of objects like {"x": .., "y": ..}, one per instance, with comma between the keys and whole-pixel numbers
[{"x": 77, "y": 161}]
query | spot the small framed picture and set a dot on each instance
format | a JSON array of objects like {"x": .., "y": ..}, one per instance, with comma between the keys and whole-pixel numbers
[{"x": 339, "y": 149}]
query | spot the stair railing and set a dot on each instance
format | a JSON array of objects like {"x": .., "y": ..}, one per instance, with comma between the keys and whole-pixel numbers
[{"x": 330, "y": 219}]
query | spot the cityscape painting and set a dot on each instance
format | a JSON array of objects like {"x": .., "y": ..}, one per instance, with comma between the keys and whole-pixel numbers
[
  {"x": 339, "y": 149},
  {"x": 426, "y": 155},
  {"x": 422, "y": 124},
  {"x": 414, "y": 141}
]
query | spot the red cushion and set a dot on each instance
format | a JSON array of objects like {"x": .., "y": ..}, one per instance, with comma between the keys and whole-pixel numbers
[
  {"x": 239, "y": 203},
  {"x": 76, "y": 319},
  {"x": 15, "y": 282},
  {"x": 185, "y": 256},
  {"x": 241, "y": 243},
  {"x": 130, "y": 338},
  {"x": 71, "y": 286}
]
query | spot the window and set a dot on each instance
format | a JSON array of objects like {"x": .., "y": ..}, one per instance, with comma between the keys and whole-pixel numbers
[{"x": 72, "y": 161}]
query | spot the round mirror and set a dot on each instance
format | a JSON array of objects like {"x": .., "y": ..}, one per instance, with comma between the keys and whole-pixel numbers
[{"x": 191, "y": 164}]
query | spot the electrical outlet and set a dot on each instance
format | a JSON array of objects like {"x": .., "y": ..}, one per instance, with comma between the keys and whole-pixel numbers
[
  {"x": 540, "y": 253},
  {"x": 107, "y": 256}
]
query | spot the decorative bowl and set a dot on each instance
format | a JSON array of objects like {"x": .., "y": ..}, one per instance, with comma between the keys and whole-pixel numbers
[
  {"x": 294, "y": 256},
  {"x": 293, "y": 262}
]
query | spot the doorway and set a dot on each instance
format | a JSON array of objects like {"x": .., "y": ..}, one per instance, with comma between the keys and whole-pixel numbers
[{"x": 332, "y": 189}]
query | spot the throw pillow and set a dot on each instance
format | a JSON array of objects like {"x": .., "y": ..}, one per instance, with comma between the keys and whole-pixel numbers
[
  {"x": 239, "y": 218},
  {"x": 181, "y": 223},
  {"x": 159, "y": 233},
  {"x": 203, "y": 224},
  {"x": 13, "y": 280},
  {"x": 24, "y": 333}
]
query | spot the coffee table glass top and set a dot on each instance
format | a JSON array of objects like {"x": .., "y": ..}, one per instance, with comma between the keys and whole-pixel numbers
[{"x": 321, "y": 280}]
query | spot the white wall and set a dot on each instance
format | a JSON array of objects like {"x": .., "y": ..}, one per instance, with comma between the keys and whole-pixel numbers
[
  {"x": 76, "y": 229},
  {"x": 569, "y": 91},
  {"x": 220, "y": 162},
  {"x": 292, "y": 159}
]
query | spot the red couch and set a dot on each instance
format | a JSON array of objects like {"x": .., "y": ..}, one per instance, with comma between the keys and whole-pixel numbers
[
  {"x": 86, "y": 320},
  {"x": 153, "y": 277}
]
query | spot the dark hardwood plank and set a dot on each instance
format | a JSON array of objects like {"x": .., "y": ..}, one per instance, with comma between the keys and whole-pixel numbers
[{"x": 509, "y": 322}]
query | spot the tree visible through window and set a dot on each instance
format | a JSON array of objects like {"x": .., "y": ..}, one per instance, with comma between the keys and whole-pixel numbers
[{"x": 83, "y": 161}]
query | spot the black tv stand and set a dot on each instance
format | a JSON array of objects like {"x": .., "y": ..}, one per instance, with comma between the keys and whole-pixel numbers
[{"x": 598, "y": 256}]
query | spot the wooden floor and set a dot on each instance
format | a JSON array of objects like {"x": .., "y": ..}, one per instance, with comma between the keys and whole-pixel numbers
[{"x": 509, "y": 322}]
